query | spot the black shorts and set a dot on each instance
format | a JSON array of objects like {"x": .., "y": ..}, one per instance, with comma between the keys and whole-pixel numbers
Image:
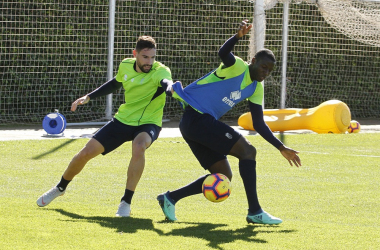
[
  {"x": 209, "y": 139},
  {"x": 115, "y": 133}
]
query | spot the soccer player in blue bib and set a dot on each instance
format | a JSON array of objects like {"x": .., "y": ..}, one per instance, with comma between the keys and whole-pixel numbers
[
  {"x": 139, "y": 119},
  {"x": 205, "y": 101}
]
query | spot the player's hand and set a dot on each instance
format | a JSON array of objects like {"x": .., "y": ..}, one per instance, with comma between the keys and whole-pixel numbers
[
  {"x": 167, "y": 85},
  {"x": 290, "y": 155},
  {"x": 80, "y": 101},
  {"x": 180, "y": 83},
  {"x": 243, "y": 29},
  {"x": 177, "y": 82}
]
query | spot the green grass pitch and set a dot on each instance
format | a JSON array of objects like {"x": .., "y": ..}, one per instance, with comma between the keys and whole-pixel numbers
[{"x": 331, "y": 202}]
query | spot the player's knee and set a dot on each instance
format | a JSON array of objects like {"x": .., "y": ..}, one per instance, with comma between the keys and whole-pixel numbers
[
  {"x": 90, "y": 150},
  {"x": 138, "y": 149},
  {"x": 243, "y": 150},
  {"x": 85, "y": 155},
  {"x": 249, "y": 153}
]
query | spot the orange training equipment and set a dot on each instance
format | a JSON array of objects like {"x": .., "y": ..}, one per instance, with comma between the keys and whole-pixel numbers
[{"x": 331, "y": 116}]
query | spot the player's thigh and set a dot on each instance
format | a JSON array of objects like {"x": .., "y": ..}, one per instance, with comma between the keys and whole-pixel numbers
[
  {"x": 114, "y": 134},
  {"x": 205, "y": 156},
  {"x": 145, "y": 135},
  {"x": 209, "y": 132}
]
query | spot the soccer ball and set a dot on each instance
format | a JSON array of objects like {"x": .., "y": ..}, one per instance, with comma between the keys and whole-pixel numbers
[
  {"x": 216, "y": 187},
  {"x": 354, "y": 127}
]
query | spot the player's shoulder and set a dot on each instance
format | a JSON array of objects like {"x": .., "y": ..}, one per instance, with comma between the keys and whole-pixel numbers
[
  {"x": 158, "y": 66},
  {"x": 128, "y": 61},
  {"x": 237, "y": 68},
  {"x": 240, "y": 62},
  {"x": 259, "y": 85}
]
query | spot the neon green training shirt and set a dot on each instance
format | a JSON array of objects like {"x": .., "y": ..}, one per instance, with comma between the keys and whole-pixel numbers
[{"x": 144, "y": 97}]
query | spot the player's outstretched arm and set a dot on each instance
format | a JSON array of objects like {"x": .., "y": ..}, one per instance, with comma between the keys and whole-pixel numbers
[
  {"x": 107, "y": 88},
  {"x": 80, "y": 101},
  {"x": 290, "y": 155}
]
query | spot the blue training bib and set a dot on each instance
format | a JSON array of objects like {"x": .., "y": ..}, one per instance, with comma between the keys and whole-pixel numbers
[{"x": 215, "y": 98}]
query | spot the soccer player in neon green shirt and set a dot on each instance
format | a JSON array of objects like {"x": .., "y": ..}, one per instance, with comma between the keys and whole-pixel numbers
[
  {"x": 211, "y": 140},
  {"x": 139, "y": 119}
]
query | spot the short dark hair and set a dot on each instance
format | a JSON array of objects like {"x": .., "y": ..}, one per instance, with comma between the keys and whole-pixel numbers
[
  {"x": 265, "y": 53},
  {"x": 145, "y": 42}
]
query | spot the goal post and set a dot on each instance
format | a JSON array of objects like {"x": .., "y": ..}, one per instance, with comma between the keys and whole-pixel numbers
[
  {"x": 110, "y": 58},
  {"x": 258, "y": 34},
  {"x": 284, "y": 55}
]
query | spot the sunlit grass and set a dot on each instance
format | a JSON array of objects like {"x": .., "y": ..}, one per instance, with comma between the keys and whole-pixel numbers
[{"x": 331, "y": 202}]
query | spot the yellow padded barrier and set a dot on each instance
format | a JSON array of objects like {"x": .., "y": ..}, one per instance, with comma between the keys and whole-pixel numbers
[{"x": 332, "y": 116}]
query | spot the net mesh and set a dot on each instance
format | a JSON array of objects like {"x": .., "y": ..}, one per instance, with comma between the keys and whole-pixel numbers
[
  {"x": 188, "y": 33},
  {"x": 359, "y": 20},
  {"x": 52, "y": 53},
  {"x": 323, "y": 62}
]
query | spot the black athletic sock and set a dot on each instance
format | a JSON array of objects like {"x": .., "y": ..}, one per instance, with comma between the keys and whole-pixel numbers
[
  {"x": 128, "y": 196},
  {"x": 247, "y": 169},
  {"x": 193, "y": 188},
  {"x": 62, "y": 185}
]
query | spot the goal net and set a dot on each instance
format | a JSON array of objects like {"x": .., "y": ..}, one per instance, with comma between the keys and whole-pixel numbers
[
  {"x": 333, "y": 53},
  {"x": 53, "y": 52}
]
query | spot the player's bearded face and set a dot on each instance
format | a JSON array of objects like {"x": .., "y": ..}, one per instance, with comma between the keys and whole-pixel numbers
[{"x": 145, "y": 59}]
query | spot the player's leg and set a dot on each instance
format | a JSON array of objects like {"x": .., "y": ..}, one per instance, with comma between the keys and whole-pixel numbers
[
  {"x": 209, "y": 160},
  {"x": 206, "y": 139},
  {"x": 135, "y": 170},
  {"x": 137, "y": 162},
  {"x": 223, "y": 167},
  {"x": 103, "y": 141},
  {"x": 168, "y": 200},
  {"x": 143, "y": 137},
  {"x": 90, "y": 150},
  {"x": 195, "y": 187},
  {"x": 246, "y": 154}
]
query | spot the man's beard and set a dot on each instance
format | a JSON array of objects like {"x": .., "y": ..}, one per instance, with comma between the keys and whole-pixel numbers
[{"x": 143, "y": 69}]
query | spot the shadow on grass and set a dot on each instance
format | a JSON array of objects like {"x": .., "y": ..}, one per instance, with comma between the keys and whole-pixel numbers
[
  {"x": 216, "y": 237},
  {"x": 120, "y": 224},
  {"x": 53, "y": 149},
  {"x": 214, "y": 234}
]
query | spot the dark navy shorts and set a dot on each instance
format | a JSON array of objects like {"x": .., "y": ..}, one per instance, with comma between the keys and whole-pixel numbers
[
  {"x": 115, "y": 133},
  {"x": 209, "y": 139}
]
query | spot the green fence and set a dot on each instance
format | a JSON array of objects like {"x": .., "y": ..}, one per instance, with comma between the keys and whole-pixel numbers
[{"x": 52, "y": 53}]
